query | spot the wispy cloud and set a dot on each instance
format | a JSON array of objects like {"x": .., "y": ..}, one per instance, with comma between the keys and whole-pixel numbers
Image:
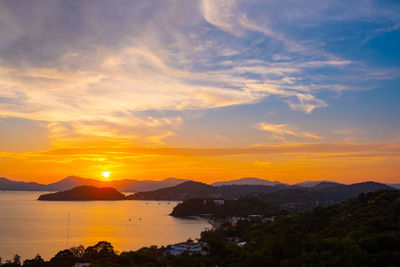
[
  {"x": 279, "y": 131},
  {"x": 93, "y": 72}
]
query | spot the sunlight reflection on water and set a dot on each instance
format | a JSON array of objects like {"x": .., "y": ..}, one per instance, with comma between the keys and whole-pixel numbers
[{"x": 28, "y": 226}]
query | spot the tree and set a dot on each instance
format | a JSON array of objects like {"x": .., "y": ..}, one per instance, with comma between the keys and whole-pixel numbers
[
  {"x": 63, "y": 258},
  {"x": 78, "y": 251},
  {"x": 36, "y": 262},
  {"x": 103, "y": 249},
  {"x": 17, "y": 259}
]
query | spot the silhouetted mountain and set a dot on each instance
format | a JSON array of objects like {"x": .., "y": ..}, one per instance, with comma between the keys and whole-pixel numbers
[
  {"x": 313, "y": 183},
  {"x": 342, "y": 192},
  {"x": 186, "y": 190},
  {"x": 324, "y": 185},
  {"x": 6, "y": 184},
  {"x": 146, "y": 185},
  {"x": 125, "y": 185},
  {"x": 74, "y": 181},
  {"x": 247, "y": 181},
  {"x": 323, "y": 194},
  {"x": 85, "y": 193},
  {"x": 237, "y": 191}
]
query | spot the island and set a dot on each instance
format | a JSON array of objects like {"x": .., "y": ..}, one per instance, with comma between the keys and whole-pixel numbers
[{"x": 84, "y": 193}]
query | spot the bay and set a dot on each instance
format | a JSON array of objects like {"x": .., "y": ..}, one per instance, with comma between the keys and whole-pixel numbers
[{"x": 29, "y": 226}]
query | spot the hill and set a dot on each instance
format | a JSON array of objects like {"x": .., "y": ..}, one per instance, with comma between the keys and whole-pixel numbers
[
  {"x": 84, "y": 193},
  {"x": 322, "y": 194},
  {"x": 363, "y": 231},
  {"x": 184, "y": 191},
  {"x": 6, "y": 184},
  {"x": 70, "y": 182},
  {"x": 125, "y": 185},
  {"x": 247, "y": 181},
  {"x": 237, "y": 191},
  {"x": 340, "y": 192},
  {"x": 312, "y": 183}
]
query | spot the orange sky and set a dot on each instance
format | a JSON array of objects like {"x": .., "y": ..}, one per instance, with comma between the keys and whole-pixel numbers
[{"x": 290, "y": 163}]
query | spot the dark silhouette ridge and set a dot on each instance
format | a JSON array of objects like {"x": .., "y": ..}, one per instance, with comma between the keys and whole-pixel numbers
[
  {"x": 186, "y": 190},
  {"x": 85, "y": 193},
  {"x": 248, "y": 181},
  {"x": 70, "y": 182},
  {"x": 323, "y": 194}
]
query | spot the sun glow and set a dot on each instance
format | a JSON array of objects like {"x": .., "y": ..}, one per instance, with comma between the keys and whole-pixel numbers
[{"x": 105, "y": 174}]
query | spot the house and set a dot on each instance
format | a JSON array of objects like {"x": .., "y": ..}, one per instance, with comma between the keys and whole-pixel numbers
[
  {"x": 188, "y": 246},
  {"x": 268, "y": 219},
  {"x": 241, "y": 244},
  {"x": 218, "y": 201}
]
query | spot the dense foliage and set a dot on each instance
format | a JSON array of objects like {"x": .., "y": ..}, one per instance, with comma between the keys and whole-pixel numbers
[
  {"x": 238, "y": 208},
  {"x": 364, "y": 231}
]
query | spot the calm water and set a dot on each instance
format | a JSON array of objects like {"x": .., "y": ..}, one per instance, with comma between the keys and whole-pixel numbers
[{"x": 28, "y": 226}]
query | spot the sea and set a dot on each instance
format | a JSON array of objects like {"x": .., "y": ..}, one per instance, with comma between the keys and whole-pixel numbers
[{"x": 29, "y": 226}]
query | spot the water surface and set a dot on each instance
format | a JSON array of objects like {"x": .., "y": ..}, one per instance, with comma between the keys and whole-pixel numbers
[{"x": 28, "y": 226}]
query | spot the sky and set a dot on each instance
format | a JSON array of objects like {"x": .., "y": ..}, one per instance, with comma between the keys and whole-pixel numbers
[{"x": 206, "y": 90}]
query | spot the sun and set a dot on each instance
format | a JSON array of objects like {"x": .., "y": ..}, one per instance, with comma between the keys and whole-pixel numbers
[{"x": 106, "y": 174}]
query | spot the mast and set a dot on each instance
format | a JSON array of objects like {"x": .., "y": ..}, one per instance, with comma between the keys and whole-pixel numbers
[{"x": 68, "y": 233}]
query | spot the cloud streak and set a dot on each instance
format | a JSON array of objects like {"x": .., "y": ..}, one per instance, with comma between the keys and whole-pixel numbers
[{"x": 147, "y": 69}]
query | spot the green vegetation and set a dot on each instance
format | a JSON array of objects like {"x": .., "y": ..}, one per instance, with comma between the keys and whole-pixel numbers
[
  {"x": 364, "y": 231},
  {"x": 242, "y": 207}
]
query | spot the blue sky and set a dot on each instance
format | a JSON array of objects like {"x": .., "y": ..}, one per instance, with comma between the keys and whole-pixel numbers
[{"x": 198, "y": 73}]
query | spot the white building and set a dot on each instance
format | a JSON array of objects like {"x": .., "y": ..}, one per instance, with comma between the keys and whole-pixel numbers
[
  {"x": 189, "y": 246},
  {"x": 219, "y": 201}
]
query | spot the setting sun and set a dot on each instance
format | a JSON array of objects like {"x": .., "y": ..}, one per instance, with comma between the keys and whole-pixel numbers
[{"x": 105, "y": 174}]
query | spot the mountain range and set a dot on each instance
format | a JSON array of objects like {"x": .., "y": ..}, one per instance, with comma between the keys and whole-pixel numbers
[
  {"x": 75, "y": 181},
  {"x": 250, "y": 184},
  {"x": 248, "y": 181},
  {"x": 313, "y": 183},
  {"x": 322, "y": 194}
]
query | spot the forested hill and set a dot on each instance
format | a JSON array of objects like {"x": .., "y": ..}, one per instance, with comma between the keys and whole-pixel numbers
[
  {"x": 323, "y": 194},
  {"x": 84, "y": 193},
  {"x": 184, "y": 191},
  {"x": 364, "y": 231}
]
